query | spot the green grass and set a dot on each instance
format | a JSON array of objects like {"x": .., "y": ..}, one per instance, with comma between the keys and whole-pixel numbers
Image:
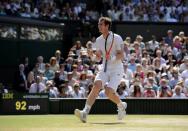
[{"x": 95, "y": 123}]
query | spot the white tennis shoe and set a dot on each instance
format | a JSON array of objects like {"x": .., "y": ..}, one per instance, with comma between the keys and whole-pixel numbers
[
  {"x": 121, "y": 111},
  {"x": 81, "y": 115}
]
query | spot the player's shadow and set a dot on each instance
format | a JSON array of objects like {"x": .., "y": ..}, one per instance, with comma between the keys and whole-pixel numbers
[{"x": 107, "y": 123}]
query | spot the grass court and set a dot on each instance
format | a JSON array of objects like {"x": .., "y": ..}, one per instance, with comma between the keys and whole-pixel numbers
[{"x": 95, "y": 123}]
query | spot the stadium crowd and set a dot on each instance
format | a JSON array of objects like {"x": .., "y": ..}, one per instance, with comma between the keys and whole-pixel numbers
[
  {"x": 30, "y": 33},
  {"x": 117, "y": 10},
  {"x": 151, "y": 69}
]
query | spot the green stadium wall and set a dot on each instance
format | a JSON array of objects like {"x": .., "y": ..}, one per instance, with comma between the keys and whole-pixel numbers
[{"x": 135, "y": 106}]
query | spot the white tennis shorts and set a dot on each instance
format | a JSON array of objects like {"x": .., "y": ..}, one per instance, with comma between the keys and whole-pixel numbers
[{"x": 110, "y": 78}]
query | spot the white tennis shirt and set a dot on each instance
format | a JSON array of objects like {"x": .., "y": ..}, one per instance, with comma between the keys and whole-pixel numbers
[{"x": 117, "y": 45}]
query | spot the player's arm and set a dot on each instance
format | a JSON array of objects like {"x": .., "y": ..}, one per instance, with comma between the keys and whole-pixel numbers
[
  {"x": 98, "y": 53},
  {"x": 95, "y": 56},
  {"x": 119, "y": 49},
  {"x": 98, "y": 56}
]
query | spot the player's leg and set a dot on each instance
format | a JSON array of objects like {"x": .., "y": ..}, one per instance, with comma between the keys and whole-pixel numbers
[
  {"x": 110, "y": 92},
  {"x": 98, "y": 84},
  {"x": 92, "y": 96},
  {"x": 112, "y": 95},
  {"x": 82, "y": 114}
]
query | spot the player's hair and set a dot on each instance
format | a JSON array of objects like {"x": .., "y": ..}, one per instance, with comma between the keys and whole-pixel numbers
[{"x": 107, "y": 21}]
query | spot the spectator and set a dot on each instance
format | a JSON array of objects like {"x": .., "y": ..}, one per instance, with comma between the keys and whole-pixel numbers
[
  {"x": 164, "y": 89},
  {"x": 78, "y": 47},
  {"x": 170, "y": 59},
  {"x": 63, "y": 73},
  {"x": 42, "y": 77},
  {"x": 177, "y": 46},
  {"x": 53, "y": 64},
  {"x": 122, "y": 89},
  {"x": 165, "y": 11},
  {"x": 21, "y": 80},
  {"x": 139, "y": 39},
  {"x": 30, "y": 79},
  {"x": 137, "y": 50},
  {"x": 165, "y": 71},
  {"x": 59, "y": 59},
  {"x": 183, "y": 65},
  {"x": 159, "y": 56},
  {"x": 87, "y": 70},
  {"x": 128, "y": 40},
  {"x": 68, "y": 66},
  {"x": 169, "y": 37},
  {"x": 153, "y": 44},
  {"x": 70, "y": 78},
  {"x": 85, "y": 58},
  {"x": 26, "y": 65},
  {"x": 151, "y": 82},
  {"x": 65, "y": 91},
  {"x": 185, "y": 89},
  {"x": 147, "y": 55},
  {"x": 137, "y": 91},
  {"x": 79, "y": 65},
  {"x": 77, "y": 92},
  {"x": 89, "y": 88},
  {"x": 182, "y": 36},
  {"x": 36, "y": 70},
  {"x": 49, "y": 74},
  {"x": 37, "y": 87},
  {"x": 51, "y": 89},
  {"x": 62, "y": 91},
  {"x": 175, "y": 78},
  {"x": 127, "y": 72},
  {"x": 157, "y": 65},
  {"x": 57, "y": 81},
  {"x": 89, "y": 45},
  {"x": 83, "y": 80},
  {"x": 41, "y": 64},
  {"x": 177, "y": 42},
  {"x": 76, "y": 74},
  {"x": 126, "y": 51},
  {"x": 139, "y": 72},
  {"x": 184, "y": 74},
  {"x": 178, "y": 93},
  {"x": 132, "y": 64},
  {"x": 144, "y": 64},
  {"x": 149, "y": 92}
]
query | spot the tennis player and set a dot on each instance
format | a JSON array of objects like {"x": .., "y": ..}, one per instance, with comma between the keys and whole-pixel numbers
[{"x": 109, "y": 49}]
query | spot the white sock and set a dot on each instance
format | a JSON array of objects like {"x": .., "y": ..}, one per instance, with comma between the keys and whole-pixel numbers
[{"x": 87, "y": 108}]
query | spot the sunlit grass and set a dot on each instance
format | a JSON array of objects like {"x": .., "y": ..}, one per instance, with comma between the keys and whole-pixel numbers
[{"x": 95, "y": 123}]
